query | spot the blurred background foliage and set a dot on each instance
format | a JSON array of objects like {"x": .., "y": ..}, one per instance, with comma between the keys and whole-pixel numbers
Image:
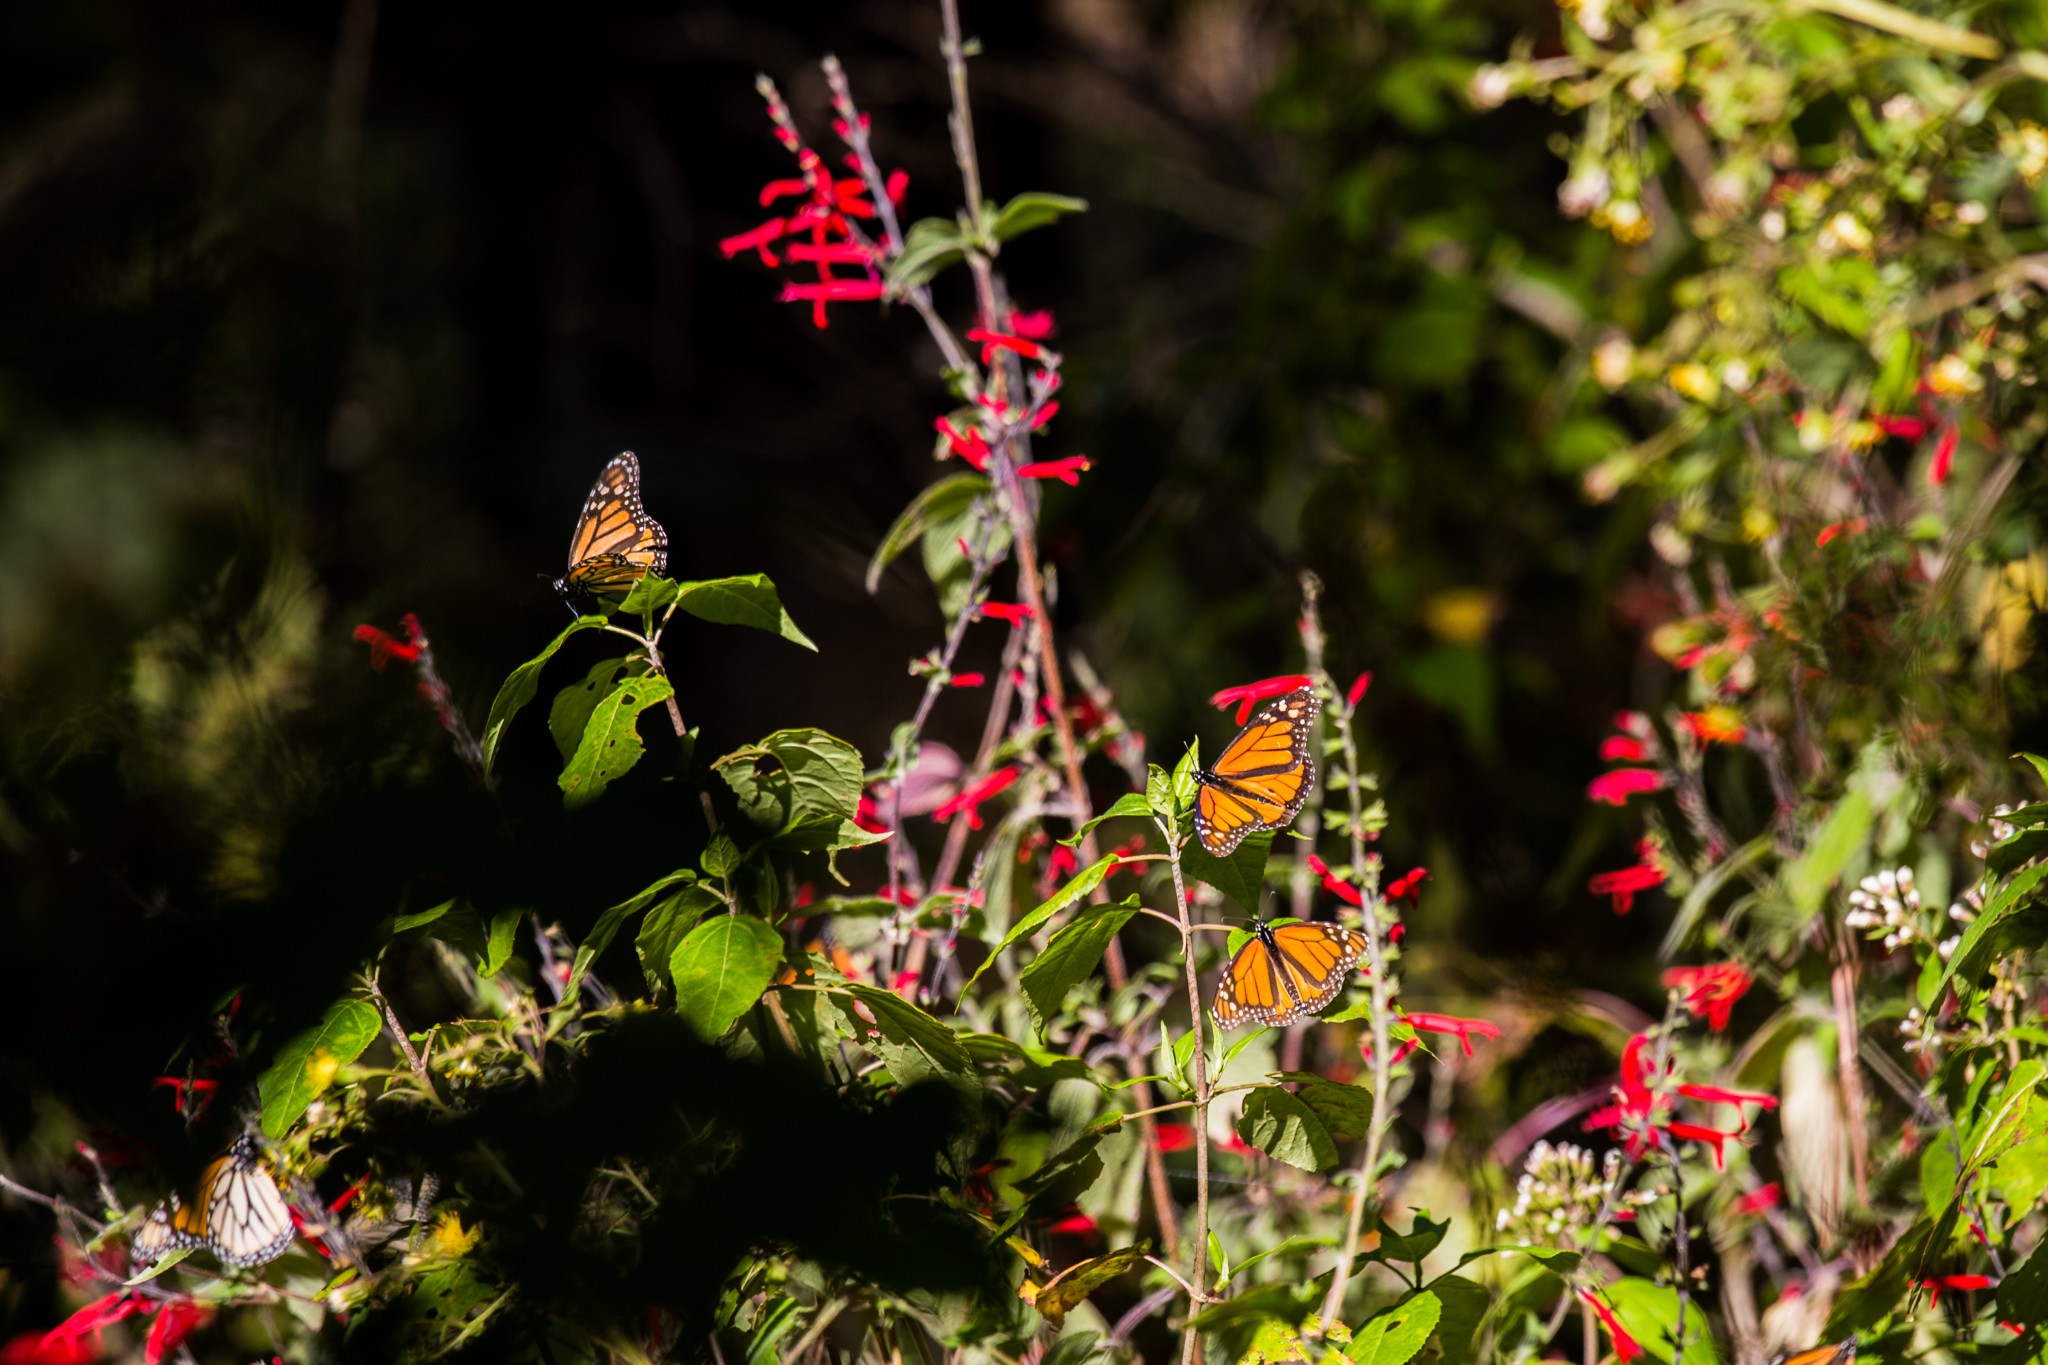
[{"x": 319, "y": 314}]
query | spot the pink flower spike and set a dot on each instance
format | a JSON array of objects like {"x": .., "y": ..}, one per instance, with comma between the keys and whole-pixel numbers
[
  {"x": 1617, "y": 787},
  {"x": 967, "y": 680},
  {"x": 1067, "y": 471},
  {"x": 1356, "y": 692},
  {"x": 1251, "y": 694},
  {"x": 1944, "y": 456},
  {"x": 1626, "y": 1347}
]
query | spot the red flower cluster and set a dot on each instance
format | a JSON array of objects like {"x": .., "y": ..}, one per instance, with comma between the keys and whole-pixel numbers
[
  {"x": 1615, "y": 788},
  {"x": 820, "y": 230},
  {"x": 384, "y": 648},
  {"x": 1251, "y": 694},
  {"x": 969, "y": 801},
  {"x": 1632, "y": 742},
  {"x": 1710, "y": 992},
  {"x": 1642, "y": 1110},
  {"x": 77, "y": 1338},
  {"x": 1626, "y": 883},
  {"x": 1407, "y": 885},
  {"x": 1423, "y": 1022}
]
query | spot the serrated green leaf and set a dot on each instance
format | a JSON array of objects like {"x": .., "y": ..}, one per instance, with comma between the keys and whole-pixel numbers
[
  {"x": 1394, "y": 1336},
  {"x": 306, "y": 1065},
  {"x": 1282, "y": 1126},
  {"x": 570, "y": 713},
  {"x": 912, "y": 1045},
  {"x": 608, "y": 924},
  {"x": 1972, "y": 957},
  {"x": 1183, "y": 788},
  {"x": 796, "y": 785},
  {"x": 1345, "y": 1110},
  {"x": 663, "y": 930},
  {"x": 1070, "y": 957},
  {"x": 1057, "y": 1299},
  {"x": 1082, "y": 882},
  {"x": 611, "y": 740},
  {"x": 745, "y": 600},
  {"x": 1032, "y": 209},
  {"x": 941, "y": 502},
  {"x": 520, "y": 686},
  {"x": 721, "y": 968}
]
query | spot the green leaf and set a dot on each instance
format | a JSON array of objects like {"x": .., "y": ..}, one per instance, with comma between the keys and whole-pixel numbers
[
  {"x": 401, "y": 923},
  {"x": 608, "y": 924},
  {"x": 1071, "y": 957},
  {"x": 647, "y": 596},
  {"x": 1082, "y": 882},
  {"x": 1130, "y": 803},
  {"x": 940, "y": 502},
  {"x": 930, "y": 245},
  {"x": 663, "y": 929},
  {"x": 748, "y": 600},
  {"x": 800, "y": 788},
  {"x": 306, "y": 1065},
  {"x": 1159, "y": 793},
  {"x": 1183, "y": 788},
  {"x": 1974, "y": 954},
  {"x": 721, "y": 857},
  {"x": 570, "y": 713},
  {"x": 611, "y": 740},
  {"x": 1393, "y": 1337},
  {"x": 1345, "y": 1110},
  {"x": 1238, "y": 876},
  {"x": 519, "y": 687},
  {"x": 1058, "y": 1298},
  {"x": 1464, "y": 1308},
  {"x": 1650, "y": 1313},
  {"x": 912, "y": 1045},
  {"x": 498, "y": 947},
  {"x": 1284, "y": 1127},
  {"x": 1808, "y": 880},
  {"x": 1422, "y": 1237},
  {"x": 1289, "y": 1247},
  {"x": 720, "y": 969},
  {"x": 1032, "y": 209}
]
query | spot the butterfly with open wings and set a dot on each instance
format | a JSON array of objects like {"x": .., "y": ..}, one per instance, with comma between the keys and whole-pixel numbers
[{"x": 1261, "y": 778}]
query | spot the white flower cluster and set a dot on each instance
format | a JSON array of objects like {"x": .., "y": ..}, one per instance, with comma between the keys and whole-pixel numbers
[
  {"x": 1886, "y": 901},
  {"x": 1559, "y": 1192}
]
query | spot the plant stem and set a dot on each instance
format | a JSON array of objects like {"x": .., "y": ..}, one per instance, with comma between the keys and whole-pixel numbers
[
  {"x": 1191, "y": 1338},
  {"x": 1382, "y": 1052}
]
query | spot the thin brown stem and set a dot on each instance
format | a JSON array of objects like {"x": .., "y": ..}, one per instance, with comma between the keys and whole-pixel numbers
[{"x": 1191, "y": 1338}]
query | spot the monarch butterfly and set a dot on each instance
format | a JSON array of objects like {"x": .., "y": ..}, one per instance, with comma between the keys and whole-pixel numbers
[
  {"x": 238, "y": 1214},
  {"x": 1286, "y": 972},
  {"x": 616, "y": 543},
  {"x": 1262, "y": 776},
  {"x": 1843, "y": 1353}
]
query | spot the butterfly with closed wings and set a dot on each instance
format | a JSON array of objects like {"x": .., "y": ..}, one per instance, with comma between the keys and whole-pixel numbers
[
  {"x": 238, "y": 1214},
  {"x": 1286, "y": 972},
  {"x": 1262, "y": 777},
  {"x": 616, "y": 543},
  {"x": 1841, "y": 1353}
]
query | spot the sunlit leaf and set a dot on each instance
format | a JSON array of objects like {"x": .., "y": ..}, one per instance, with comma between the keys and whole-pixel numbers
[
  {"x": 306, "y": 1064},
  {"x": 720, "y": 969},
  {"x": 611, "y": 739},
  {"x": 520, "y": 686}
]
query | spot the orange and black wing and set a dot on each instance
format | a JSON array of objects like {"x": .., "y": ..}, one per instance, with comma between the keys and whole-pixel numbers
[
  {"x": 616, "y": 542},
  {"x": 1262, "y": 777},
  {"x": 1315, "y": 958},
  {"x": 170, "y": 1227},
  {"x": 246, "y": 1220},
  {"x": 1842, "y": 1353},
  {"x": 1250, "y": 991}
]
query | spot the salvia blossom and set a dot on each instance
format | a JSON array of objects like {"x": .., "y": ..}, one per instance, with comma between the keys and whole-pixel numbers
[
  {"x": 992, "y": 342},
  {"x": 969, "y": 801},
  {"x": 1955, "y": 1283},
  {"x": 1356, "y": 692},
  {"x": 1944, "y": 456},
  {"x": 1067, "y": 471},
  {"x": 1624, "y": 884},
  {"x": 1626, "y": 1347},
  {"x": 970, "y": 445},
  {"x": 1034, "y": 326},
  {"x": 1422, "y": 1022},
  {"x": 1013, "y": 612},
  {"x": 967, "y": 680},
  {"x": 1251, "y": 694},
  {"x": 1710, "y": 992},
  {"x": 1335, "y": 885},
  {"x": 1615, "y": 788},
  {"x": 1641, "y": 1111},
  {"x": 1758, "y": 1200},
  {"x": 1854, "y": 527},
  {"x": 1406, "y": 884}
]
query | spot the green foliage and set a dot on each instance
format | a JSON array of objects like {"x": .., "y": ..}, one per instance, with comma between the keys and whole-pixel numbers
[
  {"x": 720, "y": 969},
  {"x": 307, "y": 1064}
]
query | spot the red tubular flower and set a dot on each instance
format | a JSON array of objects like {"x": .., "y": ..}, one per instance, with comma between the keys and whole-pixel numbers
[
  {"x": 1251, "y": 694},
  {"x": 1032, "y": 326},
  {"x": 1696, "y": 1132},
  {"x": 1067, "y": 471},
  {"x": 969, "y": 445},
  {"x": 1356, "y": 692},
  {"x": 1622, "y": 749},
  {"x": 991, "y": 342},
  {"x": 1406, "y": 885},
  {"x": 90, "y": 1321},
  {"x": 1062, "y": 862},
  {"x": 1077, "y": 1224},
  {"x": 967, "y": 680},
  {"x": 1714, "y": 1094},
  {"x": 1907, "y": 428},
  {"x": 1756, "y": 1201},
  {"x": 192, "y": 1093},
  {"x": 384, "y": 648},
  {"x": 1332, "y": 883},
  {"x": 1959, "y": 1283},
  {"x": 1944, "y": 456},
  {"x": 1446, "y": 1023},
  {"x": 175, "y": 1321},
  {"x": 868, "y": 815},
  {"x": 1013, "y": 612},
  {"x": 1175, "y": 1137},
  {"x": 1711, "y": 992},
  {"x": 1626, "y": 883},
  {"x": 1626, "y": 1347},
  {"x": 35, "y": 1348},
  {"x": 821, "y": 228},
  {"x": 1855, "y": 527},
  {"x": 1617, "y": 787},
  {"x": 970, "y": 800}
]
